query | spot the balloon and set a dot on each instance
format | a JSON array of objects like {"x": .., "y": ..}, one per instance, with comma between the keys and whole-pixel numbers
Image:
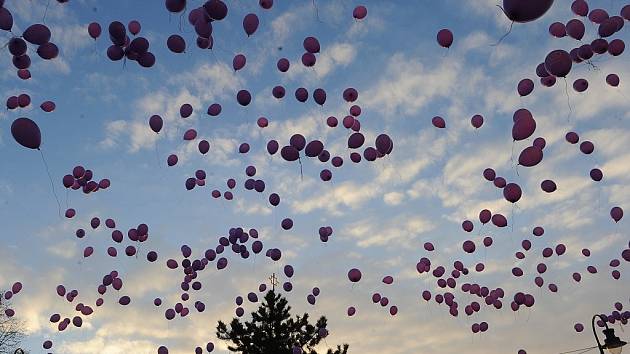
[
  {"x": 297, "y": 141},
  {"x": 355, "y": 140},
  {"x": 616, "y": 213},
  {"x": 265, "y": 4},
  {"x": 250, "y": 24},
  {"x": 512, "y": 192},
  {"x": 278, "y": 92},
  {"x": 190, "y": 134},
  {"x": 308, "y": 59},
  {"x": 314, "y": 148},
  {"x": 557, "y": 29},
  {"x": 616, "y": 47},
  {"x": 48, "y": 106},
  {"x": 484, "y": 216},
  {"x": 525, "y": 87},
  {"x": 587, "y": 147},
  {"x": 525, "y": 10},
  {"x": 26, "y": 133},
  {"x": 156, "y": 123},
  {"x": 499, "y": 220},
  {"x": 350, "y": 94},
  {"x": 530, "y": 156},
  {"x": 476, "y": 121},
  {"x": 558, "y": 63},
  {"x": 354, "y": 275},
  {"x": 445, "y": 38},
  {"x": 176, "y": 43},
  {"x": 311, "y": 45},
  {"x": 287, "y": 223},
  {"x": 272, "y": 147},
  {"x": 468, "y": 246},
  {"x": 596, "y": 174},
  {"x": 580, "y": 85},
  {"x": 301, "y": 94},
  {"x": 540, "y": 142},
  {"x": 438, "y": 122},
  {"x": 283, "y": 65},
  {"x": 6, "y": 19},
  {"x": 214, "y": 109},
  {"x": 598, "y": 16},
  {"x": 489, "y": 174},
  {"x": 174, "y": 6},
  {"x": 575, "y": 29},
  {"x": 548, "y": 81},
  {"x": 359, "y": 12},
  {"x": 585, "y": 52},
  {"x": 612, "y": 80},
  {"x": 239, "y": 62},
  {"x": 467, "y": 225},
  {"x": 37, "y": 34},
  {"x": 548, "y": 186},
  {"x": 243, "y": 97},
  {"x": 319, "y": 96},
  {"x": 524, "y": 125},
  {"x": 147, "y": 60}
]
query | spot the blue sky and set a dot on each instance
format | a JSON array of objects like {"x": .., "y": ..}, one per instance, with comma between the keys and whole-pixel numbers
[{"x": 381, "y": 212}]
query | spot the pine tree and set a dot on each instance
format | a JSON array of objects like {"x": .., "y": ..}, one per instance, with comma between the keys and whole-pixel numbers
[{"x": 272, "y": 330}]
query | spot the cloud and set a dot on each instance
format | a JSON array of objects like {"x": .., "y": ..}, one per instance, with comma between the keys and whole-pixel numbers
[{"x": 407, "y": 85}]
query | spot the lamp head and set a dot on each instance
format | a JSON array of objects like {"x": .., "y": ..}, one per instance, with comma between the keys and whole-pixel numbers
[{"x": 612, "y": 342}]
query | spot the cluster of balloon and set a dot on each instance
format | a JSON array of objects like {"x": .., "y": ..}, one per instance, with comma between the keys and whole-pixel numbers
[
  {"x": 21, "y": 101},
  {"x": 520, "y": 11},
  {"x": 8, "y": 295},
  {"x": 377, "y": 298},
  {"x": 81, "y": 178},
  {"x": 312, "y": 297},
  {"x": 136, "y": 49},
  {"x": 324, "y": 233},
  {"x": 558, "y": 63},
  {"x": 36, "y": 34}
]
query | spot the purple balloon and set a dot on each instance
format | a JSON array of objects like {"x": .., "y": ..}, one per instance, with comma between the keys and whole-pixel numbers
[
  {"x": 250, "y": 24},
  {"x": 176, "y": 43},
  {"x": 26, "y": 133},
  {"x": 239, "y": 62},
  {"x": 525, "y": 11},
  {"x": 575, "y": 29},
  {"x": 512, "y": 192},
  {"x": 557, "y": 29},
  {"x": 530, "y": 156},
  {"x": 354, "y": 275},
  {"x": 476, "y": 121},
  {"x": 525, "y": 87},
  {"x": 445, "y": 38},
  {"x": 311, "y": 45}
]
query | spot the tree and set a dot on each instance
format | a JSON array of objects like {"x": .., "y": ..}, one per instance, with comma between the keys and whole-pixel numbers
[
  {"x": 11, "y": 329},
  {"x": 272, "y": 330}
]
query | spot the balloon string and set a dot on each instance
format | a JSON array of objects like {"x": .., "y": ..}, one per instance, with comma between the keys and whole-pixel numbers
[
  {"x": 301, "y": 172},
  {"x": 46, "y": 12},
  {"x": 566, "y": 91},
  {"x": 316, "y": 12},
  {"x": 51, "y": 183},
  {"x": 505, "y": 35}
]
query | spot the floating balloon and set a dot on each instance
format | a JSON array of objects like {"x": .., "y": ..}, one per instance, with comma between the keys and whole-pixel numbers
[
  {"x": 445, "y": 38},
  {"x": 525, "y": 11},
  {"x": 26, "y": 133}
]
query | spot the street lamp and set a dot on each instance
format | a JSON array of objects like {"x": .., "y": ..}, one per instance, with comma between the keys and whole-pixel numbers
[{"x": 611, "y": 342}]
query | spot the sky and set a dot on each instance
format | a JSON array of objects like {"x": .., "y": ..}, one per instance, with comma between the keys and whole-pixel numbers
[{"x": 382, "y": 212}]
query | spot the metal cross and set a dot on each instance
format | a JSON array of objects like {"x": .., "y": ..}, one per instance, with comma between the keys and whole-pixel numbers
[{"x": 274, "y": 281}]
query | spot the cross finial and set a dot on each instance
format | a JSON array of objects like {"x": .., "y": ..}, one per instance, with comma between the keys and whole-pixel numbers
[{"x": 274, "y": 281}]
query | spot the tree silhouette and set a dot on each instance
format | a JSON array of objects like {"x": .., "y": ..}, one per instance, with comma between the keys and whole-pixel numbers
[
  {"x": 11, "y": 329},
  {"x": 273, "y": 330}
]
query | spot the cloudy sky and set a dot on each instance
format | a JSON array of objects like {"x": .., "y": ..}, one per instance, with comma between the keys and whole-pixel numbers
[{"x": 382, "y": 212}]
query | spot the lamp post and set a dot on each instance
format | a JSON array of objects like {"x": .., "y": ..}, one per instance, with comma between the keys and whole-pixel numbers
[{"x": 611, "y": 342}]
